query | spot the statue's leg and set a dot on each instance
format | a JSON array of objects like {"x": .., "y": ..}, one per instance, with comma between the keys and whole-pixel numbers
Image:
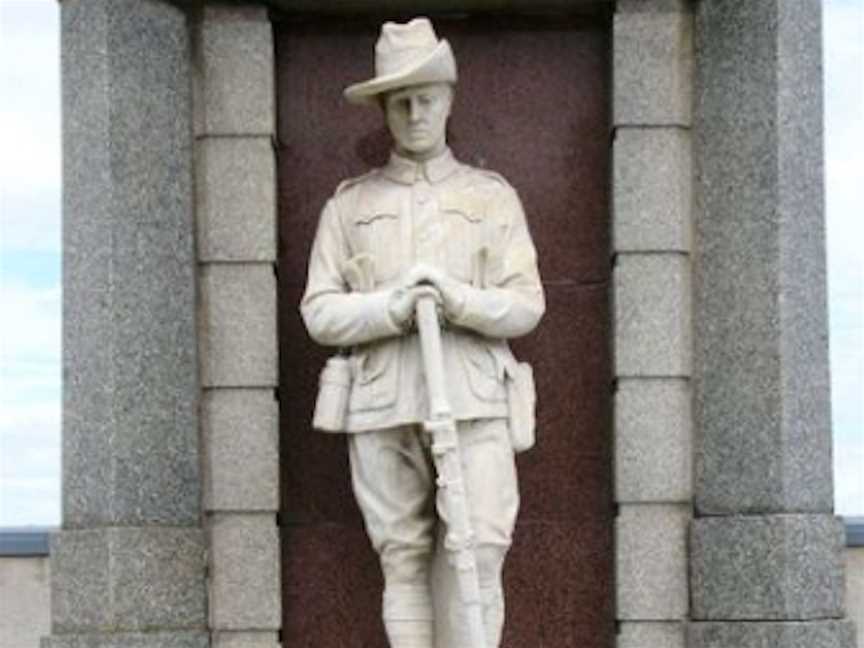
[
  {"x": 394, "y": 484},
  {"x": 492, "y": 490}
]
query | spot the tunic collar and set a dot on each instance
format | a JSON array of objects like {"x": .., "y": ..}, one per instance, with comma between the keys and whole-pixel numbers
[{"x": 401, "y": 169}]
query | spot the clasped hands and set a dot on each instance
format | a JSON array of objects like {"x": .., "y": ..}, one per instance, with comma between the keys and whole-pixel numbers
[{"x": 426, "y": 281}]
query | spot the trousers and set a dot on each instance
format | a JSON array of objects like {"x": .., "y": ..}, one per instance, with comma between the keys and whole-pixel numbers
[{"x": 394, "y": 483}]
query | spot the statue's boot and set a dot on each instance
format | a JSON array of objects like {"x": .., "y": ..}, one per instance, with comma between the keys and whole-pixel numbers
[
  {"x": 490, "y": 564},
  {"x": 408, "y": 616},
  {"x": 493, "y": 613}
]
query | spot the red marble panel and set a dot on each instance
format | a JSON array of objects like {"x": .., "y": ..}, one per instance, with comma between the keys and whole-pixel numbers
[
  {"x": 532, "y": 104},
  {"x": 558, "y": 587},
  {"x": 331, "y": 588}
]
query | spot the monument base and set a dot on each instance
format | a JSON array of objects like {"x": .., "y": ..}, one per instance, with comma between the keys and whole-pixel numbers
[
  {"x": 772, "y": 634},
  {"x": 129, "y": 640}
]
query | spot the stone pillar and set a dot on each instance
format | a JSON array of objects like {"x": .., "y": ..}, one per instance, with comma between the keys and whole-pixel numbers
[
  {"x": 235, "y": 126},
  {"x": 652, "y": 206},
  {"x": 129, "y": 564},
  {"x": 766, "y": 550}
]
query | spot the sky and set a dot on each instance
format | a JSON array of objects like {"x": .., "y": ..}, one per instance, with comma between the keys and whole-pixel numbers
[
  {"x": 30, "y": 280},
  {"x": 844, "y": 186}
]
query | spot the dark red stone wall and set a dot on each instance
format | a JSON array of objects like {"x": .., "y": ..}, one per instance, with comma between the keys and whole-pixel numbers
[{"x": 532, "y": 104}]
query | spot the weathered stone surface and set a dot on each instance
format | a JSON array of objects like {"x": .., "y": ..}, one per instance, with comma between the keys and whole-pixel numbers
[
  {"x": 653, "y": 445},
  {"x": 25, "y": 598},
  {"x": 652, "y": 315},
  {"x": 241, "y": 435},
  {"x": 651, "y": 6},
  {"x": 855, "y": 589},
  {"x": 651, "y": 634},
  {"x": 235, "y": 72},
  {"x": 236, "y": 202},
  {"x": 777, "y": 567},
  {"x": 244, "y": 573},
  {"x": 814, "y": 634},
  {"x": 653, "y": 59},
  {"x": 375, "y": 7},
  {"x": 651, "y": 563},
  {"x": 245, "y": 640},
  {"x": 130, "y": 640},
  {"x": 129, "y": 352},
  {"x": 128, "y": 579},
  {"x": 763, "y": 396},
  {"x": 238, "y": 325},
  {"x": 652, "y": 195}
]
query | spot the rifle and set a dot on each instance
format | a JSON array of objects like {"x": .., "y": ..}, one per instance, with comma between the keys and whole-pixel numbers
[{"x": 459, "y": 539}]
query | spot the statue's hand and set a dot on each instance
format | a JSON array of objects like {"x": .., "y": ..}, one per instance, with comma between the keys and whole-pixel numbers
[
  {"x": 403, "y": 303},
  {"x": 452, "y": 292}
]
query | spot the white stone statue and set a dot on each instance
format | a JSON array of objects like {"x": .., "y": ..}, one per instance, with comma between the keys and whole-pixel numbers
[{"x": 427, "y": 227}]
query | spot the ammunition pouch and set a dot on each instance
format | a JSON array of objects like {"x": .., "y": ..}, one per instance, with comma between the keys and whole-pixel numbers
[
  {"x": 521, "y": 403},
  {"x": 331, "y": 406}
]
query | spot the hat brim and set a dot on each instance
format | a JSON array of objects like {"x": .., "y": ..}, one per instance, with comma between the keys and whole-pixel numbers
[{"x": 438, "y": 66}]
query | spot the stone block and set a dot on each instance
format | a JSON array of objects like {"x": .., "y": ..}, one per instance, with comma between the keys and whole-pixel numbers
[
  {"x": 652, "y": 197},
  {"x": 653, "y": 62},
  {"x": 651, "y": 562},
  {"x": 241, "y": 445},
  {"x": 755, "y": 634},
  {"x": 855, "y": 589},
  {"x": 25, "y": 596},
  {"x": 128, "y": 579},
  {"x": 653, "y": 445},
  {"x": 777, "y": 567},
  {"x": 235, "y": 72},
  {"x": 244, "y": 573},
  {"x": 238, "y": 325},
  {"x": 245, "y": 640},
  {"x": 651, "y": 634},
  {"x": 236, "y": 199},
  {"x": 652, "y": 315},
  {"x": 130, "y": 640},
  {"x": 763, "y": 403},
  {"x": 129, "y": 337}
]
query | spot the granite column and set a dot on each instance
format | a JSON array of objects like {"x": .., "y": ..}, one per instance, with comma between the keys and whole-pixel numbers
[
  {"x": 129, "y": 563},
  {"x": 766, "y": 550}
]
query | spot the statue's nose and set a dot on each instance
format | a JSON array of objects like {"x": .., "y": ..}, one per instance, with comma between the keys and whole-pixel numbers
[{"x": 416, "y": 111}]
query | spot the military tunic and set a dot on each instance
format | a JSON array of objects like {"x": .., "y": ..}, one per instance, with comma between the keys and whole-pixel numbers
[{"x": 465, "y": 221}]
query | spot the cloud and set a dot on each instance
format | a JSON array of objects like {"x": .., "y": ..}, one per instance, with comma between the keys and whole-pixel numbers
[
  {"x": 30, "y": 330},
  {"x": 30, "y": 463},
  {"x": 29, "y": 404},
  {"x": 849, "y": 478},
  {"x": 30, "y": 155},
  {"x": 30, "y": 113},
  {"x": 844, "y": 160}
]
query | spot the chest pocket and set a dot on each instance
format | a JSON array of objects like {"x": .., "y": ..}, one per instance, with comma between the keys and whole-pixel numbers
[
  {"x": 377, "y": 231},
  {"x": 465, "y": 216}
]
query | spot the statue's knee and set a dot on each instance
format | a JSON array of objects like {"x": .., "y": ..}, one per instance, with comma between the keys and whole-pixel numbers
[{"x": 406, "y": 566}]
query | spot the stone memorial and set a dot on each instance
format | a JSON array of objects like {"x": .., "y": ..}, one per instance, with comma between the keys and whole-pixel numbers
[
  {"x": 420, "y": 271},
  {"x": 670, "y": 157}
]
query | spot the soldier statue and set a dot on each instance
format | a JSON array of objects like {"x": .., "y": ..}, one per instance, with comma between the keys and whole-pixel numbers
[{"x": 426, "y": 227}]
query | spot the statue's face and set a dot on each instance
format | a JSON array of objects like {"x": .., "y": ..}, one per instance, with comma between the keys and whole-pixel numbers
[{"x": 417, "y": 118}]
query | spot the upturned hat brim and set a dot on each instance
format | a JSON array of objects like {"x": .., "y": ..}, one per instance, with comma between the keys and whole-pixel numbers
[{"x": 438, "y": 67}]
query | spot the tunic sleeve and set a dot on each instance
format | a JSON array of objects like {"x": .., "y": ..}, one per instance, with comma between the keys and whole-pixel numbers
[
  {"x": 512, "y": 303},
  {"x": 335, "y": 316}
]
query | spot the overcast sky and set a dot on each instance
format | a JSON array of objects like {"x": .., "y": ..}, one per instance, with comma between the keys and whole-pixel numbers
[{"x": 30, "y": 180}]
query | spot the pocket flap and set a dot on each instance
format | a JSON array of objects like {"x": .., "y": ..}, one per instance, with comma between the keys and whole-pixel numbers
[
  {"x": 469, "y": 205},
  {"x": 377, "y": 209}
]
